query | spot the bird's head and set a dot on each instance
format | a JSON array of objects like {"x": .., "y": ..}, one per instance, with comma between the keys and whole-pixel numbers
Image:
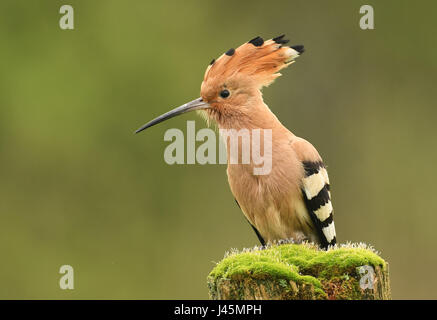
[{"x": 233, "y": 82}]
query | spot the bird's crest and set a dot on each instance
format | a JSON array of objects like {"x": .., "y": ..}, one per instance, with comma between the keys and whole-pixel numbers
[{"x": 258, "y": 59}]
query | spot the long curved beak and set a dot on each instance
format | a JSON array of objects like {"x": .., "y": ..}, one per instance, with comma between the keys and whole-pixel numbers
[{"x": 196, "y": 104}]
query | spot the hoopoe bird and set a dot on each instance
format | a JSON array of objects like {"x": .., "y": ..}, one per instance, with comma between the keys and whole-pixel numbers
[{"x": 293, "y": 201}]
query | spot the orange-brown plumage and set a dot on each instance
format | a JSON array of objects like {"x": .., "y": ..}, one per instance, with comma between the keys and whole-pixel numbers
[
  {"x": 293, "y": 199},
  {"x": 272, "y": 203}
]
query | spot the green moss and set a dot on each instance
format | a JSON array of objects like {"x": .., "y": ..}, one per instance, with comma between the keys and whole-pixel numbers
[
  {"x": 258, "y": 265},
  {"x": 331, "y": 272}
]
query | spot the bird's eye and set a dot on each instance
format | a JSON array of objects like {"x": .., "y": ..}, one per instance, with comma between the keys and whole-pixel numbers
[{"x": 224, "y": 93}]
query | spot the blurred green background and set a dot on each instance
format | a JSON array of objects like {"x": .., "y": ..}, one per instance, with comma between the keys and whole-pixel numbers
[{"x": 77, "y": 187}]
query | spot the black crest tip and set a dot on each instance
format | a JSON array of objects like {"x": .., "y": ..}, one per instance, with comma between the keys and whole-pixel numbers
[
  {"x": 257, "y": 42},
  {"x": 280, "y": 39},
  {"x": 212, "y": 62},
  {"x": 299, "y": 48},
  {"x": 230, "y": 52}
]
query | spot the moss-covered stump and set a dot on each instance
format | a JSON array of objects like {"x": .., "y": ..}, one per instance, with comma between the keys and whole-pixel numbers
[{"x": 301, "y": 271}]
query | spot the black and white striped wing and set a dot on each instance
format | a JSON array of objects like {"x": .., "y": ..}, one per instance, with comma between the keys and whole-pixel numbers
[{"x": 315, "y": 190}]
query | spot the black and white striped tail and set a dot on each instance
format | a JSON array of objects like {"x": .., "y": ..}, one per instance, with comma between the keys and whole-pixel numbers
[{"x": 315, "y": 190}]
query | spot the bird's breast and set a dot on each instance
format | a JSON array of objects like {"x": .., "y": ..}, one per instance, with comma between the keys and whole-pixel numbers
[{"x": 272, "y": 203}]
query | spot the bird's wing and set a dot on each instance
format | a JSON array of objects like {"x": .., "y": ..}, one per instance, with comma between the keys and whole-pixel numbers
[
  {"x": 260, "y": 238},
  {"x": 315, "y": 191}
]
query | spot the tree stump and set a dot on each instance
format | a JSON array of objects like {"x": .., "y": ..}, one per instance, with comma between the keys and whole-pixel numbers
[{"x": 301, "y": 271}]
